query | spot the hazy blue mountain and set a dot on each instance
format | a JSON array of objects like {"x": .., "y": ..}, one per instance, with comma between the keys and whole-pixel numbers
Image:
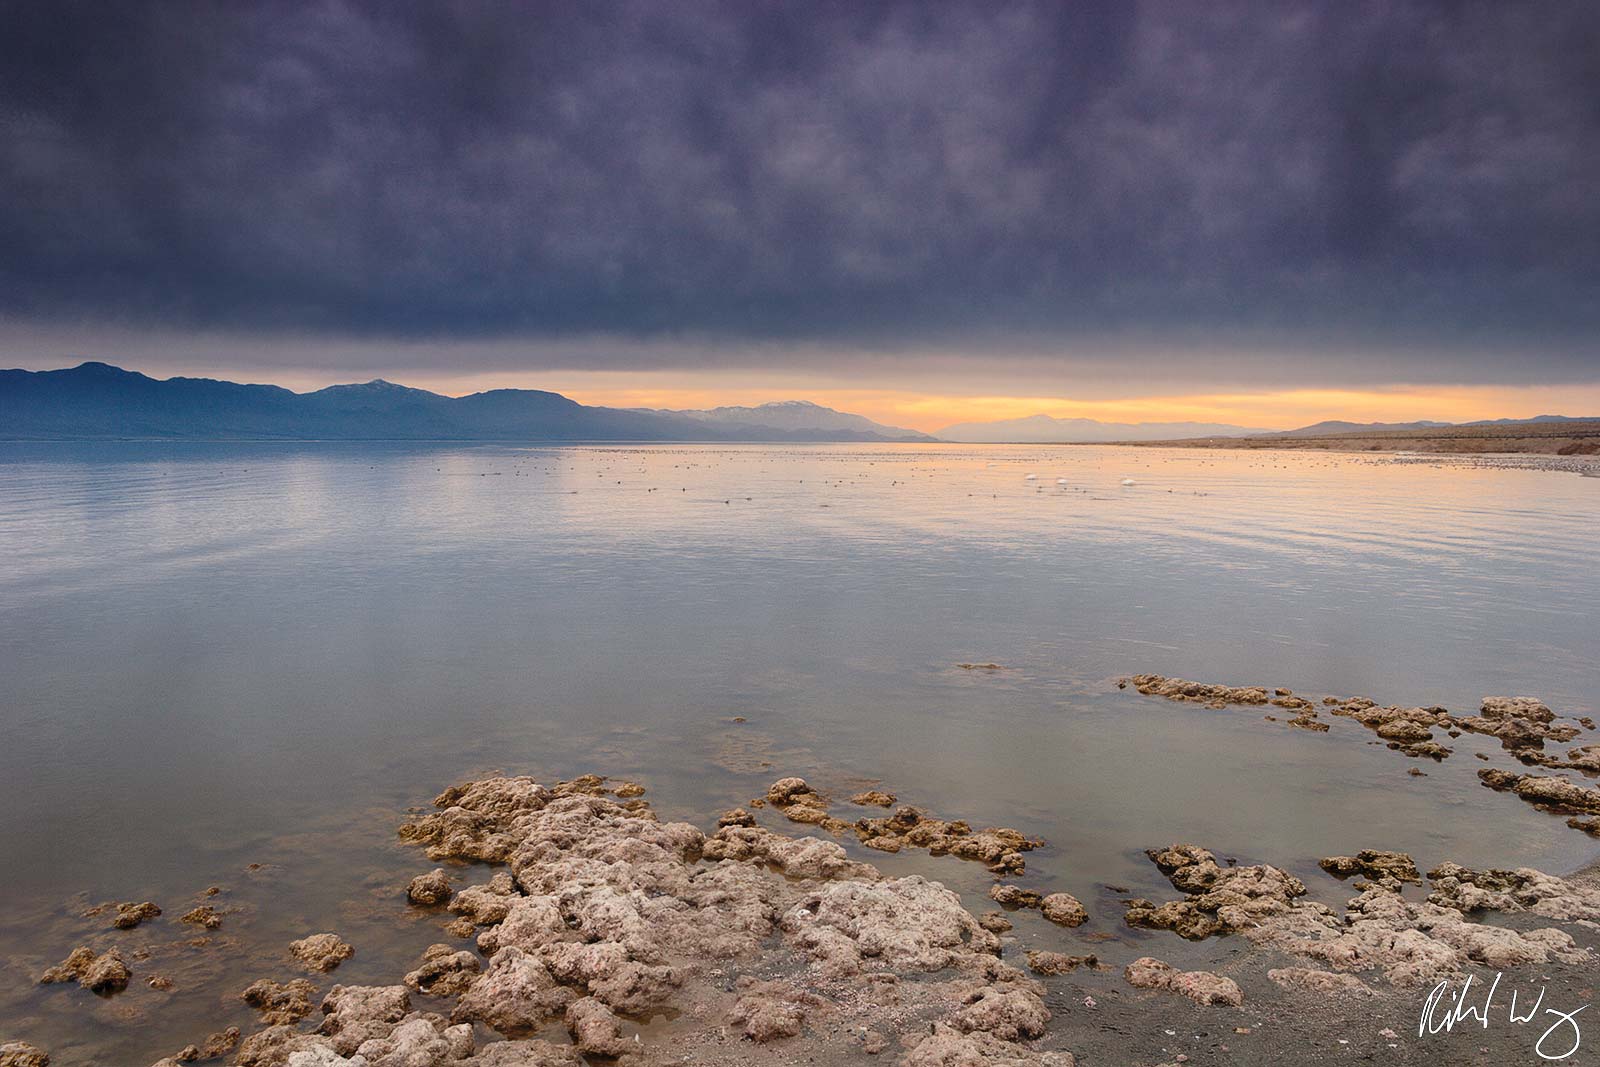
[
  {"x": 97, "y": 400},
  {"x": 1044, "y": 429},
  {"x": 800, "y": 416}
]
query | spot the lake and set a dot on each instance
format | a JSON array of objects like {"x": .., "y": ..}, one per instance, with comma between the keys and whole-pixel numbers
[{"x": 239, "y": 665}]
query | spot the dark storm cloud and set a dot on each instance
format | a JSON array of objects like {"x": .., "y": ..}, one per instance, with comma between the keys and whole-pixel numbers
[{"x": 1398, "y": 176}]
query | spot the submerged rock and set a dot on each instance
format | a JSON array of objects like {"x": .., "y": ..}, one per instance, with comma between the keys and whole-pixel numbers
[
  {"x": 1221, "y": 899},
  {"x": 130, "y": 915},
  {"x": 1374, "y": 863},
  {"x": 104, "y": 973},
  {"x": 280, "y": 1003},
  {"x": 787, "y": 791},
  {"x": 429, "y": 889},
  {"x": 1064, "y": 909},
  {"x": 321, "y": 952},
  {"x": 204, "y": 916},
  {"x": 1052, "y": 963},
  {"x": 1202, "y": 692},
  {"x": 1014, "y": 896},
  {"x": 1553, "y": 793}
]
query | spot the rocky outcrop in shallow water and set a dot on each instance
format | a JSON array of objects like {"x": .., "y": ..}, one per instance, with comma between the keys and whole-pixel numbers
[
  {"x": 1523, "y": 724},
  {"x": 1553, "y": 793},
  {"x": 104, "y": 972},
  {"x": 1379, "y": 931},
  {"x": 321, "y": 952},
  {"x": 1386, "y": 868},
  {"x": 280, "y": 1003},
  {"x": 1520, "y": 890},
  {"x": 1220, "y": 899},
  {"x": 605, "y": 915}
]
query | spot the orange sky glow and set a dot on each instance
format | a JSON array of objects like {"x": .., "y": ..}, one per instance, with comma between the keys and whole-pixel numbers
[{"x": 930, "y": 411}]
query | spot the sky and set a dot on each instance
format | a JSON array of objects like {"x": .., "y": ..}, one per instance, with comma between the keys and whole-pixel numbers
[{"x": 1262, "y": 213}]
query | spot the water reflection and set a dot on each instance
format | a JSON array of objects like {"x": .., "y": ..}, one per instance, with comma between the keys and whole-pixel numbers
[{"x": 224, "y": 655}]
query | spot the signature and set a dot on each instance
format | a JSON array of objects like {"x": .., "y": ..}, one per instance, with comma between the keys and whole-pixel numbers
[{"x": 1448, "y": 1008}]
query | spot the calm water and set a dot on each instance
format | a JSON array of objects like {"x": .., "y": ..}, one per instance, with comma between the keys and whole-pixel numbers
[{"x": 214, "y": 656}]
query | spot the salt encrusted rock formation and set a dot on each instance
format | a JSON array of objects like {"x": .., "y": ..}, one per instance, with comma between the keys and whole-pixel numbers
[
  {"x": 103, "y": 972},
  {"x": 1523, "y": 724},
  {"x": 429, "y": 889},
  {"x": 1041, "y": 961},
  {"x": 1221, "y": 899},
  {"x": 605, "y": 914},
  {"x": 280, "y": 1003},
  {"x": 130, "y": 915},
  {"x": 1320, "y": 983},
  {"x": 444, "y": 972},
  {"x": 1380, "y": 931},
  {"x": 1202, "y": 987},
  {"x": 1555, "y": 793},
  {"x": 22, "y": 1054},
  {"x": 1374, "y": 863},
  {"x": 1523, "y": 889},
  {"x": 1064, "y": 909},
  {"x": 321, "y": 952}
]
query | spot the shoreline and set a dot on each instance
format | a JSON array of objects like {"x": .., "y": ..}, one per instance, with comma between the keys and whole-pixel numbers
[{"x": 572, "y": 922}]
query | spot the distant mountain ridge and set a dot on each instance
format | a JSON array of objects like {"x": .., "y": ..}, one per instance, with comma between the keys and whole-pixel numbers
[
  {"x": 1335, "y": 427},
  {"x": 99, "y": 401},
  {"x": 1045, "y": 429},
  {"x": 796, "y": 415}
]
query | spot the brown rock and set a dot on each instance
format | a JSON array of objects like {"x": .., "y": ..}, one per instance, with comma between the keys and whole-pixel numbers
[
  {"x": 22, "y": 1054},
  {"x": 431, "y": 889},
  {"x": 103, "y": 973},
  {"x": 280, "y": 1004},
  {"x": 130, "y": 915},
  {"x": 1052, "y": 963},
  {"x": 321, "y": 952},
  {"x": 1064, "y": 909},
  {"x": 1014, "y": 896},
  {"x": 1202, "y": 987},
  {"x": 786, "y": 790}
]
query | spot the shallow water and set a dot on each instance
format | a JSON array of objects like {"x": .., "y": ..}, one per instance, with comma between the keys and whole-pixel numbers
[{"x": 219, "y": 655}]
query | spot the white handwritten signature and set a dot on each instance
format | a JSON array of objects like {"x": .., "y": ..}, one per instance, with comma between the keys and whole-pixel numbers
[{"x": 1447, "y": 1008}]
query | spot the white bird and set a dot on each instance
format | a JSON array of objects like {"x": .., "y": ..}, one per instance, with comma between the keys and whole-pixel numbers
[
  {"x": 1061, "y": 481},
  {"x": 1129, "y": 481},
  {"x": 1030, "y": 477}
]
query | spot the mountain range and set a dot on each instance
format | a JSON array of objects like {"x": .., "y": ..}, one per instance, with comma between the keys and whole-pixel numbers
[
  {"x": 798, "y": 415},
  {"x": 1044, "y": 429},
  {"x": 97, "y": 400}
]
